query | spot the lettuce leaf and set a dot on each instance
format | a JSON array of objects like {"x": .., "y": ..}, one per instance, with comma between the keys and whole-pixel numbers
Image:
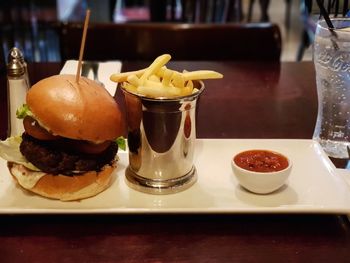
[
  {"x": 9, "y": 150},
  {"x": 23, "y": 111},
  {"x": 121, "y": 143}
]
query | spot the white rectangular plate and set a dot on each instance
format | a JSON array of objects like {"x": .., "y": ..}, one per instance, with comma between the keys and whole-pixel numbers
[{"x": 314, "y": 186}]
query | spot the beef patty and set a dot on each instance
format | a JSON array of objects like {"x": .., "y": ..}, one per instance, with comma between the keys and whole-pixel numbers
[{"x": 53, "y": 157}]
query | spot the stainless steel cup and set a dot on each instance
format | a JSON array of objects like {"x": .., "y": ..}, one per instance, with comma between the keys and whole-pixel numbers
[{"x": 161, "y": 138}]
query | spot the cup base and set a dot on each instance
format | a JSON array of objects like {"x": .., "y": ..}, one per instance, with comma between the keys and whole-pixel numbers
[
  {"x": 160, "y": 187},
  {"x": 335, "y": 149}
]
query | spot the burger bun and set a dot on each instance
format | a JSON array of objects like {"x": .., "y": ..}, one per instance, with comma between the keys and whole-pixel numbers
[
  {"x": 81, "y": 110},
  {"x": 62, "y": 187}
]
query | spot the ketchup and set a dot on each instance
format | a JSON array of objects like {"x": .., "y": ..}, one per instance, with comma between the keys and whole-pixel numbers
[{"x": 261, "y": 161}]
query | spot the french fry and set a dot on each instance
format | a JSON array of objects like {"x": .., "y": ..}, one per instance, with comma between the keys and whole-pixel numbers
[
  {"x": 161, "y": 71},
  {"x": 155, "y": 92},
  {"x": 155, "y": 66},
  {"x": 121, "y": 77},
  {"x": 202, "y": 74},
  {"x": 189, "y": 84},
  {"x": 186, "y": 91},
  {"x": 157, "y": 81},
  {"x": 167, "y": 77},
  {"x": 174, "y": 91},
  {"x": 133, "y": 80},
  {"x": 178, "y": 80},
  {"x": 150, "y": 83},
  {"x": 154, "y": 77},
  {"x": 129, "y": 87}
]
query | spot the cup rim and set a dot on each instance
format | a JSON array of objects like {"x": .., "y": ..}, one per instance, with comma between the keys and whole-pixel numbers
[{"x": 323, "y": 24}]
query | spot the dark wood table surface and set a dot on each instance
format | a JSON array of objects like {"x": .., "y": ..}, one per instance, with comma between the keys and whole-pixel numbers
[{"x": 254, "y": 100}]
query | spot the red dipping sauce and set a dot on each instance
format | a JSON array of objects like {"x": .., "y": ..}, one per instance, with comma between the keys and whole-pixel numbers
[{"x": 261, "y": 161}]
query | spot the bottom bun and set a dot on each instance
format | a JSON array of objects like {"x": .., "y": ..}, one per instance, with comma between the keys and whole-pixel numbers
[{"x": 62, "y": 187}]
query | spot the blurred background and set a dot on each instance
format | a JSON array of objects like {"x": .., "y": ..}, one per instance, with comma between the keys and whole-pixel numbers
[{"x": 33, "y": 25}]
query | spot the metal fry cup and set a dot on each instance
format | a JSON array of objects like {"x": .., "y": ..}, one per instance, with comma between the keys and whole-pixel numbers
[{"x": 161, "y": 139}]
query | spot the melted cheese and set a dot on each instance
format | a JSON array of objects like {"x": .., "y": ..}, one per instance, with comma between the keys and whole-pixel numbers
[{"x": 25, "y": 179}]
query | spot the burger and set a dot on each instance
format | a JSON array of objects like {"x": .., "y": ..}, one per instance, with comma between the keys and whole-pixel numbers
[{"x": 68, "y": 150}]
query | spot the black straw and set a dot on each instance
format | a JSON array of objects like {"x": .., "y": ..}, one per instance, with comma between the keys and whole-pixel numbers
[{"x": 325, "y": 14}]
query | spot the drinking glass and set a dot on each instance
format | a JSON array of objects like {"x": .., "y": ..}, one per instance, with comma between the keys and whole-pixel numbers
[{"x": 332, "y": 64}]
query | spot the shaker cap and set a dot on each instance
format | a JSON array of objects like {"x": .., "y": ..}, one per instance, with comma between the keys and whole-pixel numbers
[
  {"x": 15, "y": 53},
  {"x": 15, "y": 68}
]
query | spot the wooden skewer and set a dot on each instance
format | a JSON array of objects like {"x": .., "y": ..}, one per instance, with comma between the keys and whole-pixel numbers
[{"x": 82, "y": 45}]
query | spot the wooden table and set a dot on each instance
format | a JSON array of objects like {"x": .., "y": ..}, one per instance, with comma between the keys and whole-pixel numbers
[{"x": 254, "y": 100}]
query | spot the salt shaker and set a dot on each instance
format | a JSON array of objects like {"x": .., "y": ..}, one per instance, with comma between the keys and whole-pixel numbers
[{"x": 17, "y": 87}]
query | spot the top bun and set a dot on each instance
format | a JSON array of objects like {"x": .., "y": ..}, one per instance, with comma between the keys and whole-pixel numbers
[{"x": 84, "y": 111}]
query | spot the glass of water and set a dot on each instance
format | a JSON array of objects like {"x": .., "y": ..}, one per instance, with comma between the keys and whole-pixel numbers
[{"x": 332, "y": 64}]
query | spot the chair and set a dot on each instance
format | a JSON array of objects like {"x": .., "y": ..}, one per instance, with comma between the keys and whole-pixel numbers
[
  {"x": 309, "y": 28},
  {"x": 264, "y": 14},
  {"x": 196, "y": 11},
  {"x": 30, "y": 26},
  {"x": 264, "y": 5},
  {"x": 145, "y": 41}
]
